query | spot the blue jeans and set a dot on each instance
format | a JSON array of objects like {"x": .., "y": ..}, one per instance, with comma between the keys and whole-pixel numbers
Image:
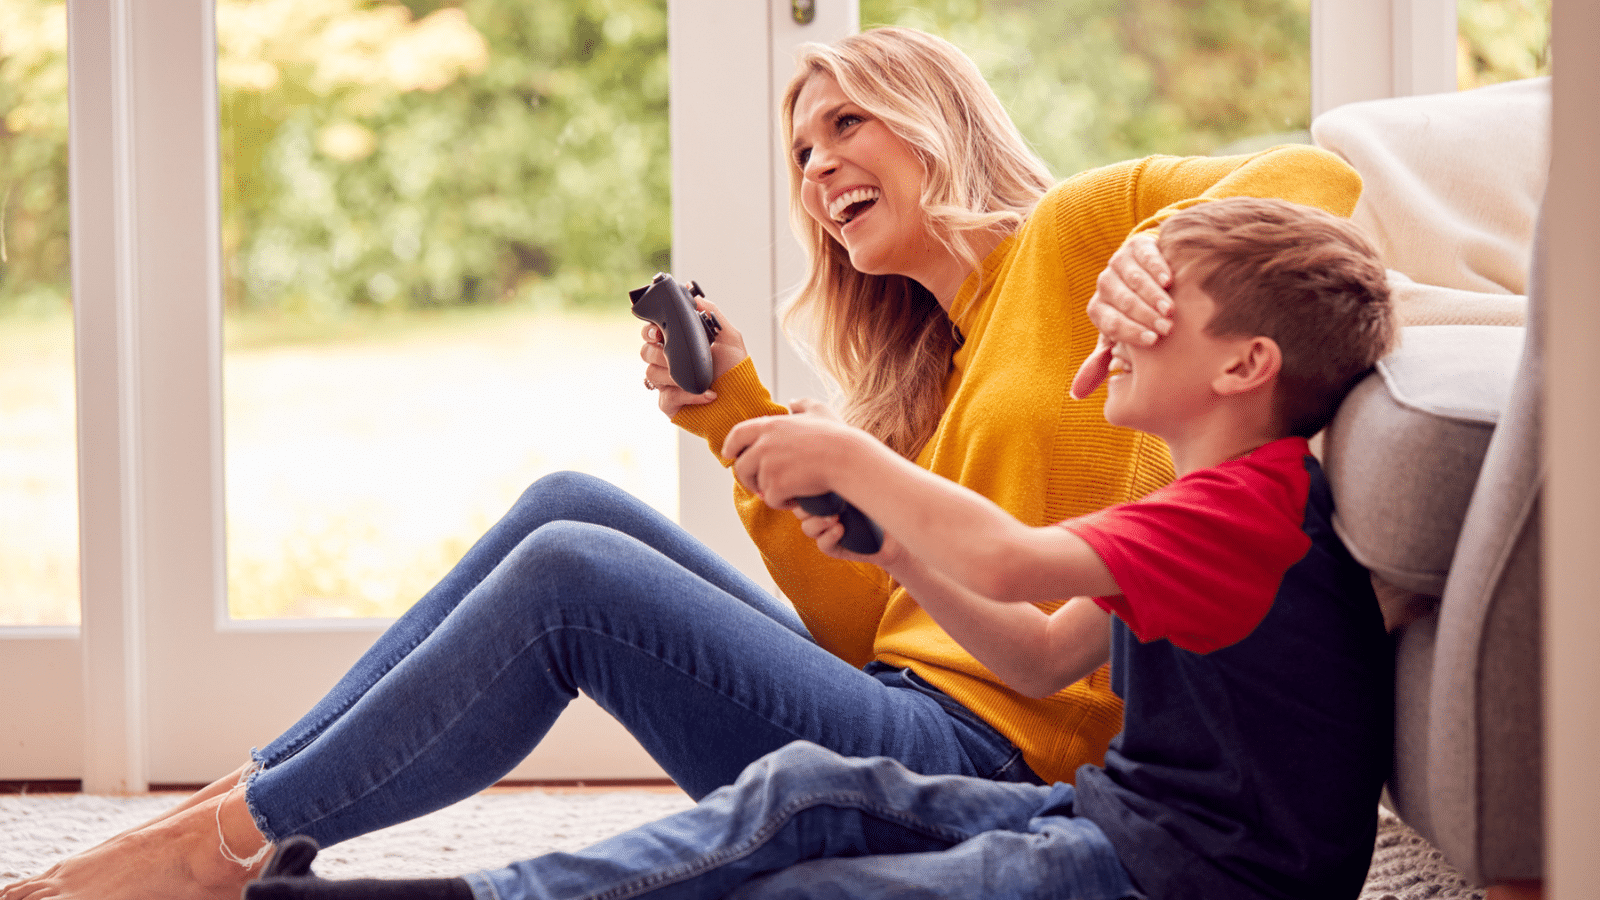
[
  {"x": 804, "y": 822},
  {"x": 581, "y": 587}
]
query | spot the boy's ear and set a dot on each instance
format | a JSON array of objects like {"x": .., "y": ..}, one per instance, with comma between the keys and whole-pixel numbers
[{"x": 1256, "y": 362}]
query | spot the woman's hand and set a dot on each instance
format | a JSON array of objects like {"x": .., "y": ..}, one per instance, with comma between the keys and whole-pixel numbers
[
  {"x": 827, "y": 531},
  {"x": 1130, "y": 305},
  {"x": 727, "y": 351}
]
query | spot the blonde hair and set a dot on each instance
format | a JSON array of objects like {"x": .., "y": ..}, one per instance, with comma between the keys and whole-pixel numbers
[{"x": 884, "y": 339}]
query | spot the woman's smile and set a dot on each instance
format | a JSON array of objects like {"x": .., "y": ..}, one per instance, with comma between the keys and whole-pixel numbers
[{"x": 847, "y": 206}]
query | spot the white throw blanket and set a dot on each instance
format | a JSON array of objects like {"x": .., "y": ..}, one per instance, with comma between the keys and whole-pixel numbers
[{"x": 1453, "y": 184}]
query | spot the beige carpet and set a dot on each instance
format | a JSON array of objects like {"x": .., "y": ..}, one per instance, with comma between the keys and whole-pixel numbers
[{"x": 498, "y": 827}]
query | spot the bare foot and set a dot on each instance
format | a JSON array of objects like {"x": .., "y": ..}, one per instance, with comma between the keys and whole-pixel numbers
[
  {"x": 215, "y": 789},
  {"x": 176, "y": 857}
]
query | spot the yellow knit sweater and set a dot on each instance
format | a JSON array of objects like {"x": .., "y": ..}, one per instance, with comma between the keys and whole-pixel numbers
[{"x": 1011, "y": 432}]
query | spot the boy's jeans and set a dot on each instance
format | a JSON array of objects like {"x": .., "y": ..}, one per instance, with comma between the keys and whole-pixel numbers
[
  {"x": 804, "y": 822},
  {"x": 581, "y": 587}
]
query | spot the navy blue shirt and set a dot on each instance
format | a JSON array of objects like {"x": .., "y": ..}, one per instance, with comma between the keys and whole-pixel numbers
[{"x": 1257, "y": 735}]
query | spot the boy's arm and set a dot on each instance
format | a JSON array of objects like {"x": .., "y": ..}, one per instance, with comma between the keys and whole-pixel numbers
[
  {"x": 1035, "y": 653},
  {"x": 959, "y": 533}
]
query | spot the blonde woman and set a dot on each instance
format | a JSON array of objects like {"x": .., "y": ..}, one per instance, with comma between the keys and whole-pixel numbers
[{"x": 946, "y": 297}]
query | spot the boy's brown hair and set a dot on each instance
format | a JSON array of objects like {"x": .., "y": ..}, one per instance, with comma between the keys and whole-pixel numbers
[{"x": 1307, "y": 279}]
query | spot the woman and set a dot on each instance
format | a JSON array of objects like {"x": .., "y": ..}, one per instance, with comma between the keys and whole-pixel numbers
[{"x": 947, "y": 288}]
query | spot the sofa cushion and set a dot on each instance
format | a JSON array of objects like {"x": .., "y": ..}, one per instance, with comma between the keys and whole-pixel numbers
[
  {"x": 1451, "y": 185},
  {"x": 1403, "y": 452}
]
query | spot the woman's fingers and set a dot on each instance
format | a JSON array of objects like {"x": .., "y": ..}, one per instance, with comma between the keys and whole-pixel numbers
[
  {"x": 1131, "y": 303},
  {"x": 827, "y": 531},
  {"x": 658, "y": 377}
]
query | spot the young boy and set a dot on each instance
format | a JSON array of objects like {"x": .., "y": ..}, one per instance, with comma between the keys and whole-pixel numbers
[{"x": 1244, "y": 640}]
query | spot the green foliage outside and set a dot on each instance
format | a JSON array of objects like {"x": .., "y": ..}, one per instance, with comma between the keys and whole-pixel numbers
[
  {"x": 441, "y": 154},
  {"x": 1501, "y": 40},
  {"x": 1096, "y": 81},
  {"x": 34, "y": 251},
  {"x": 389, "y": 155}
]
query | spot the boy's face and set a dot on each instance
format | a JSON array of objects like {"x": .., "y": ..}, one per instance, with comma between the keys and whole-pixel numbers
[{"x": 1165, "y": 388}]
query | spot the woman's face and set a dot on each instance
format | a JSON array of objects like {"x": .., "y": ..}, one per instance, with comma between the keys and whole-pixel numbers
[{"x": 863, "y": 184}]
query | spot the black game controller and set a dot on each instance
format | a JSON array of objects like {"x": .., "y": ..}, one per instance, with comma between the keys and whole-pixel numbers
[
  {"x": 686, "y": 332},
  {"x": 861, "y": 534}
]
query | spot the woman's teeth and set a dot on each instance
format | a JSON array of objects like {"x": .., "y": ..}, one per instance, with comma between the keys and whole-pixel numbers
[{"x": 851, "y": 203}]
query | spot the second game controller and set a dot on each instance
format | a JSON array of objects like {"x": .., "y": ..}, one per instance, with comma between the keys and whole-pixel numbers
[
  {"x": 861, "y": 534},
  {"x": 686, "y": 331}
]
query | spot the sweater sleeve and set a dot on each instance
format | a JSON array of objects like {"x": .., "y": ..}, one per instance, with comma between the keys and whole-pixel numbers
[
  {"x": 1295, "y": 172},
  {"x": 840, "y": 603}
]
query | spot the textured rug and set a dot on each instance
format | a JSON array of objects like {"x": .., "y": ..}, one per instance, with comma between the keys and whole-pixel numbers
[{"x": 498, "y": 827}]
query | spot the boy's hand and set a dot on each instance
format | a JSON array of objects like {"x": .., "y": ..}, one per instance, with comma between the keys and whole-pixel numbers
[
  {"x": 1130, "y": 305},
  {"x": 780, "y": 458}
]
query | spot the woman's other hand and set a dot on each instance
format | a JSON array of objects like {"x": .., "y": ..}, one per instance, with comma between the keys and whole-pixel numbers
[
  {"x": 1130, "y": 305},
  {"x": 827, "y": 531},
  {"x": 727, "y": 351}
]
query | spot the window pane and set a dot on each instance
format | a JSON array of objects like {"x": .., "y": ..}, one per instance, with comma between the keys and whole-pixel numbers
[
  {"x": 1501, "y": 40},
  {"x": 38, "y": 430},
  {"x": 1092, "y": 82},
  {"x": 432, "y": 213}
]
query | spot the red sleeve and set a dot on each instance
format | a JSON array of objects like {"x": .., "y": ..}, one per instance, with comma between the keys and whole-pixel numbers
[{"x": 1200, "y": 561}]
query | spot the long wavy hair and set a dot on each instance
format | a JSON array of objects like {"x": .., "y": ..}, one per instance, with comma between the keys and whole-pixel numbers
[{"x": 884, "y": 340}]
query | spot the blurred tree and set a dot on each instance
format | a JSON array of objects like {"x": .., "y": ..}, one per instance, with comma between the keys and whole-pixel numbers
[
  {"x": 432, "y": 152},
  {"x": 34, "y": 250},
  {"x": 436, "y": 154},
  {"x": 1095, "y": 81},
  {"x": 1501, "y": 40}
]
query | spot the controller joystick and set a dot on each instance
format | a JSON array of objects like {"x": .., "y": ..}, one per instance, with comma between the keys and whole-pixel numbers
[
  {"x": 861, "y": 534},
  {"x": 686, "y": 332}
]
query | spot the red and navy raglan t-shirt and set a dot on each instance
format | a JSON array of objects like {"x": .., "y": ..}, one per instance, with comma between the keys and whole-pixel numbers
[{"x": 1257, "y": 679}]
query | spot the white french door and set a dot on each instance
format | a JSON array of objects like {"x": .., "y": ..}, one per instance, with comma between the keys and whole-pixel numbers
[{"x": 159, "y": 685}]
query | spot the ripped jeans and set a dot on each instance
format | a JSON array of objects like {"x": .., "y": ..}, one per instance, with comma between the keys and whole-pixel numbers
[
  {"x": 581, "y": 587},
  {"x": 804, "y": 822}
]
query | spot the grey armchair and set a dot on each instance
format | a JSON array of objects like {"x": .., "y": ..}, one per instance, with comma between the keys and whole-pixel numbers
[{"x": 1437, "y": 474}]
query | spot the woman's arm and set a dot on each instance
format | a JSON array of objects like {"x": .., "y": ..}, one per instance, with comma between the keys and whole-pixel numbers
[{"x": 1298, "y": 173}]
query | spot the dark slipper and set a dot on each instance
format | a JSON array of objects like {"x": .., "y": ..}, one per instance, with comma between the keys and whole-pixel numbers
[
  {"x": 288, "y": 876},
  {"x": 293, "y": 858}
]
